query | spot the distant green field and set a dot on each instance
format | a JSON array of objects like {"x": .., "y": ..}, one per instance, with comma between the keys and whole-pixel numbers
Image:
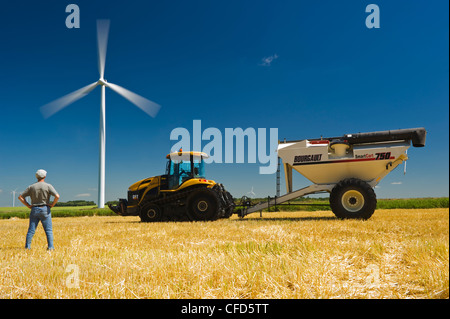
[
  {"x": 23, "y": 212},
  {"x": 303, "y": 204},
  {"x": 311, "y": 204}
]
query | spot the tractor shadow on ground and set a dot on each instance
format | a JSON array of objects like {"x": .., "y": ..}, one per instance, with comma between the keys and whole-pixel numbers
[
  {"x": 124, "y": 222},
  {"x": 290, "y": 219},
  {"x": 245, "y": 219}
]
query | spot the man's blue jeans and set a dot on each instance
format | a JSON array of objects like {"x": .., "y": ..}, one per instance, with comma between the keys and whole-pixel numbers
[{"x": 43, "y": 215}]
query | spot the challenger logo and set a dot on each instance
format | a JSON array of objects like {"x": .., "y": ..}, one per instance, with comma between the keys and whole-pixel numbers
[{"x": 307, "y": 158}]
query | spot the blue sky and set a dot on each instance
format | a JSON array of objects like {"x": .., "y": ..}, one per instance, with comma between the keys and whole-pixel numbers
[{"x": 204, "y": 60}]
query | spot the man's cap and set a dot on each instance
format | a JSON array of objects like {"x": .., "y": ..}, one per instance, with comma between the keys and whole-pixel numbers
[{"x": 40, "y": 173}]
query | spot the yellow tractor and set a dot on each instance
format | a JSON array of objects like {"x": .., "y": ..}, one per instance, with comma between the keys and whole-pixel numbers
[{"x": 183, "y": 193}]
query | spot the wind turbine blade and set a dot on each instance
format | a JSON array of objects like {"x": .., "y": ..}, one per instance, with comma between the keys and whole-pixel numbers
[
  {"x": 53, "y": 107},
  {"x": 102, "y": 43},
  {"x": 145, "y": 105}
]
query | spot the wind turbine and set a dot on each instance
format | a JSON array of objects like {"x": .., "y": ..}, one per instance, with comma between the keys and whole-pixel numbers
[
  {"x": 251, "y": 193},
  {"x": 14, "y": 197},
  {"x": 145, "y": 105}
]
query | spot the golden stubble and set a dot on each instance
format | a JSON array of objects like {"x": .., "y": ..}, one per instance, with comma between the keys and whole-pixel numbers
[{"x": 395, "y": 254}]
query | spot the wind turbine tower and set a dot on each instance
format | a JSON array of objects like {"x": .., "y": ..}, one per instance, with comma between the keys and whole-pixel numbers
[{"x": 14, "y": 197}]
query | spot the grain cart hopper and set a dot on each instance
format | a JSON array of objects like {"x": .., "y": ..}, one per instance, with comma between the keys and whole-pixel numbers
[
  {"x": 183, "y": 193},
  {"x": 348, "y": 167}
]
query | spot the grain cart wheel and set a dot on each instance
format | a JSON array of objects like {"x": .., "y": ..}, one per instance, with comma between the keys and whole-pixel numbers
[
  {"x": 150, "y": 213},
  {"x": 353, "y": 198},
  {"x": 203, "y": 204}
]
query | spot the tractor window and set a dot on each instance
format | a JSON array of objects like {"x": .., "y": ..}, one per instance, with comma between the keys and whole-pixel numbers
[
  {"x": 180, "y": 171},
  {"x": 184, "y": 170},
  {"x": 199, "y": 168}
]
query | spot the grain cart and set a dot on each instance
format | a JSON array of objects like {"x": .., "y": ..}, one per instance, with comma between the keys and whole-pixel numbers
[
  {"x": 183, "y": 193},
  {"x": 347, "y": 167}
]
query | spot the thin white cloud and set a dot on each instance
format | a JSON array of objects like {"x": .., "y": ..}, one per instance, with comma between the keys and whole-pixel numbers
[
  {"x": 396, "y": 183},
  {"x": 83, "y": 195},
  {"x": 266, "y": 61}
]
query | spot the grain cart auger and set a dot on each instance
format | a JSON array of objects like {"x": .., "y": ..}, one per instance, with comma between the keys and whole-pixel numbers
[
  {"x": 348, "y": 167},
  {"x": 183, "y": 193}
]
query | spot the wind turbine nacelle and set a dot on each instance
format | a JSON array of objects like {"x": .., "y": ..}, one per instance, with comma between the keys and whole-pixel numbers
[{"x": 102, "y": 82}]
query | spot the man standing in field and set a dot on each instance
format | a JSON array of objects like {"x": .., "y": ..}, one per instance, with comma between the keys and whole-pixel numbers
[{"x": 40, "y": 193}]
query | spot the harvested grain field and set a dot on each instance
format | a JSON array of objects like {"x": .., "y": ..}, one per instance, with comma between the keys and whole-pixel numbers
[{"x": 398, "y": 253}]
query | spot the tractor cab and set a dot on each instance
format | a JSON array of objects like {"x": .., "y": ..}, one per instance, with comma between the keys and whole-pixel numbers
[{"x": 183, "y": 166}]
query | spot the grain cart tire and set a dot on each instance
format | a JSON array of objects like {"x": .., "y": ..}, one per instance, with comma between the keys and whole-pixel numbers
[
  {"x": 353, "y": 198},
  {"x": 203, "y": 204},
  {"x": 150, "y": 213}
]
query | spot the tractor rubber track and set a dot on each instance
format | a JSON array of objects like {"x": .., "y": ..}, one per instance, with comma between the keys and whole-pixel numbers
[{"x": 225, "y": 201}]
